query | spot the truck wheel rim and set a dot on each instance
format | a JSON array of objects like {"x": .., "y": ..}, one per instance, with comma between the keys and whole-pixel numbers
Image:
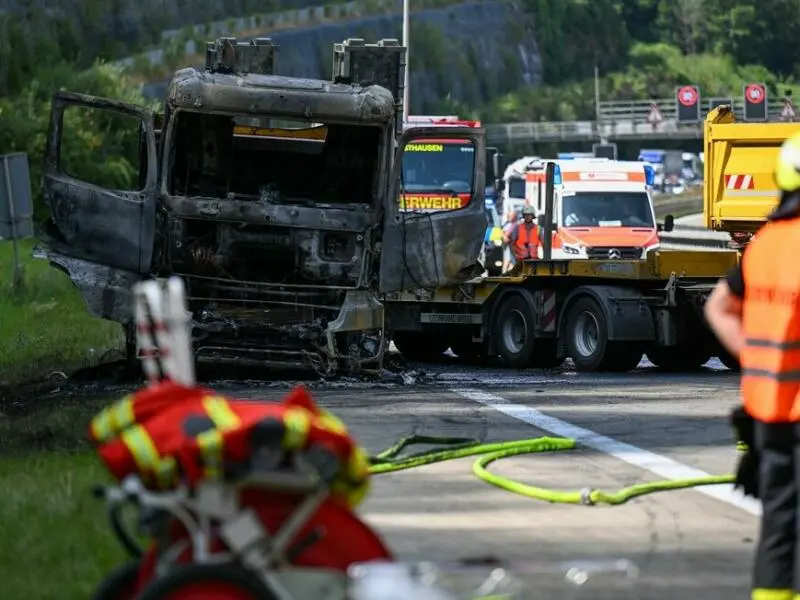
[
  {"x": 586, "y": 334},
  {"x": 514, "y": 331}
]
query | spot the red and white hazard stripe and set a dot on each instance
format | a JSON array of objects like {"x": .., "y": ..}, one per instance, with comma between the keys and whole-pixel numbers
[
  {"x": 548, "y": 322},
  {"x": 739, "y": 182}
]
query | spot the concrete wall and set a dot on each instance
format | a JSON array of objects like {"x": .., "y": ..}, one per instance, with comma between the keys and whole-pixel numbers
[{"x": 469, "y": 52}]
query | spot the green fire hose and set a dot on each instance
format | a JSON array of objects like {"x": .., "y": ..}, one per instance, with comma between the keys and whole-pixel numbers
[{"x": 390, "y": 460}]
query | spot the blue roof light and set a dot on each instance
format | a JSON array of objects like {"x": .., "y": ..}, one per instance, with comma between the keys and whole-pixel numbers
[
  {"x": 649, "y": 175},
  {"x": 557, "y": 175}
]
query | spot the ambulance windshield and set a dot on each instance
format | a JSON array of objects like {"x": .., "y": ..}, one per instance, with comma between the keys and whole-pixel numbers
[
  {"x": 607, "y": 209},
  {"x": 439, "y": 166}
]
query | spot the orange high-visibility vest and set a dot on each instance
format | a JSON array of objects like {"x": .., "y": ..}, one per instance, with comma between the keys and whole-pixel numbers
[
  {"x": 770, "y": 358},
  {"x": 527, "y": 242},
  {"x": 169, "y": 433}
]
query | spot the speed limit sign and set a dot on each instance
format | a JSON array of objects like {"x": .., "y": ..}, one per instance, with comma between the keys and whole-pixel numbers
[
  {"x": 688, "y": 104},
  {"x": 755, "y": 102}
]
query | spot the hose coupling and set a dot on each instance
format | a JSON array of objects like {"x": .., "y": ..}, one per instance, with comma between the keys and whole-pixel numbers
[{"x": 586, "y": 497}]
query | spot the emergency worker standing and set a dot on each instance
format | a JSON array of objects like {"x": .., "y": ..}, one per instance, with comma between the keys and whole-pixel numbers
[
  {"x": 755, "y": 313},
  {"x": 524, "y": 238}
]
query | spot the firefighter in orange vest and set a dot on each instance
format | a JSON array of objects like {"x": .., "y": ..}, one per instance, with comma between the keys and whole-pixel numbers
[
  {"x": 755, "y": 313},
  {"x": 524, "y": 238}
]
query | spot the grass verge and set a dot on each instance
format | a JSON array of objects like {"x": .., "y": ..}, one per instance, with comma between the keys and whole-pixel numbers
[
  {"x": 56, "y": 542},
  {"x": 44, "y": 325}
]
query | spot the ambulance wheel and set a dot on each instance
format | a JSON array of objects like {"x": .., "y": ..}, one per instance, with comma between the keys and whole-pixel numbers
[
  {"x": 683, "y": 357},
  {"x": 588, "y": 345},
  {"x": 513, "y": 332},
  {"x": 207, "y": 582},
  {"x": 420, "y": 347},
  {"x": 730, "y": 361},
  {"x": 120, "y": 583}
]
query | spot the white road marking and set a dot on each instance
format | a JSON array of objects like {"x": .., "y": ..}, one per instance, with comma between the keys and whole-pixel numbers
[{"x": 661, "y": 466}]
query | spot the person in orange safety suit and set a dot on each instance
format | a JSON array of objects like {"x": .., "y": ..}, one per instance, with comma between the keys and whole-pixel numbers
[
  {"x": 524, "y": 238},
  {"x": 755, "y": 313}
]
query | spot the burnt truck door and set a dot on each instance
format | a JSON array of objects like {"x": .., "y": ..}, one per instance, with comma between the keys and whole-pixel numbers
[
  {"x": 102, "y": 204},
  {"x": 434, "y": 219}
]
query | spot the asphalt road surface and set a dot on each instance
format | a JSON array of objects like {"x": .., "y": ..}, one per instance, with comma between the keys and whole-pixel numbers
[{"x": 638, "y": 427}]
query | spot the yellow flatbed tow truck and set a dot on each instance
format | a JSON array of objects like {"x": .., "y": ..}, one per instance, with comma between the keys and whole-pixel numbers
[
  {"x": 739, "y": 190},
  {"x": 603, "y": 314}
]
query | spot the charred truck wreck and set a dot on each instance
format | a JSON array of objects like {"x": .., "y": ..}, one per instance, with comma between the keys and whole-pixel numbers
[{"x": 275, "y": 198}]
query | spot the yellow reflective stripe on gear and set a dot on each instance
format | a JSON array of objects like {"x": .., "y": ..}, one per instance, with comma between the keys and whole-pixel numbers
[
  {"x": 220, "y": 412},
  {"x": 358, "y": 464},
  {"x": 296, "y": 424},
  {"x": 113, "y": 419},
  {"x": 146, "y": 456},
  {"x": 210, "y": 444},
  {"x": 772, "y": 594},
  {"x": 331, "y": 423}
]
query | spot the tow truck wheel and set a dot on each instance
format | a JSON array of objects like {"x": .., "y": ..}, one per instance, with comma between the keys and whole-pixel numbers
[
  {"x": 727, "y": 359},
  {"x": 207, "y": 582},
  {"x": 120, "y": 583},
  {"x": 513, "y": 333},
  {"x": 684, "y": 357},
  {"x": 588, "y": 345},
  {"x": 420, "y": 347}
]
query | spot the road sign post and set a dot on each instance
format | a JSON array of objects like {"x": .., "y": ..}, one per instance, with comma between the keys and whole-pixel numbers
[
  {"x": 755, "y": 102},
  {"x": 715, "y": 102},
  {"x": 16, "y": 210},
  {"x": 687, "y": 100},
  {"x": 654, "y": 117},
  {"x": 604, "y": 150},
  {"x": 789, "y": 111}
]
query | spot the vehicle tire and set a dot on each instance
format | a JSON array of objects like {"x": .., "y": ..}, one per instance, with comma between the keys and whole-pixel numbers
[
  {"x": 683, "y": 357},
  {"x": 207, "y": 582},
  {"x": 513, "y": 332},
  {"x": 120, "y": 583},
  {"x": 545, "y": 355},
  {"x": 420, "y": 347},
  {"x": 588, "y": 345},
  {"x": 730, "y": 361}
]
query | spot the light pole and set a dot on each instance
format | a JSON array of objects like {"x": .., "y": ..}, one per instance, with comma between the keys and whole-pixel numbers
[{"x": 405, "y": 44}]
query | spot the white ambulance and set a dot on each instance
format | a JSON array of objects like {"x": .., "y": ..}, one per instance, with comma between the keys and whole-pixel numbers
[{"x": 603, "y": 208}]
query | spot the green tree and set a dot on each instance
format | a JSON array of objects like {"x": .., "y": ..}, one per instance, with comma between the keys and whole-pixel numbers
[{"x": 24, "y": 122}]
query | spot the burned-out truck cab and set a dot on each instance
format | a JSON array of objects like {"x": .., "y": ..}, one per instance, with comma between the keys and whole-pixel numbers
[{"x": 274, "y": 198}]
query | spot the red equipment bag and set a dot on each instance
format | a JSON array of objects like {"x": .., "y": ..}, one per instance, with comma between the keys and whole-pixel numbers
[{"x": 171, "y": 435}]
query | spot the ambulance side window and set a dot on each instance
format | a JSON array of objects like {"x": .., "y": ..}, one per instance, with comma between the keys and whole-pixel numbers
[{"x": 516, "y": 187}]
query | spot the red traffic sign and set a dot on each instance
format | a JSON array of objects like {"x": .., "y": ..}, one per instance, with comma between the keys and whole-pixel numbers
[
  {"x": 687, "y": 95},
  {"x": 755, "y": 93}
]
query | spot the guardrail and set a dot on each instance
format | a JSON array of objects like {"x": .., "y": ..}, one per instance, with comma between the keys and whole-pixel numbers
[
  {"x": 587, "y": 131},
  {"x": 618, "y": 120},
  {"x": 640, "y": 110}
]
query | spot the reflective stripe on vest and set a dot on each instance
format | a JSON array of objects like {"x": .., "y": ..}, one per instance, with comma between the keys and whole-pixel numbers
[
  {"x": 527, "y": 243},
  {"x": 770, "y": 358}
]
